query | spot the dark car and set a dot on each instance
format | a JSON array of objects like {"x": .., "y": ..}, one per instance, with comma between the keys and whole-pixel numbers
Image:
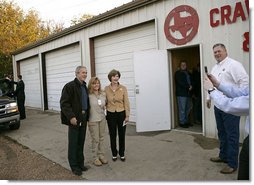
[{"x": 9, "y": 113}]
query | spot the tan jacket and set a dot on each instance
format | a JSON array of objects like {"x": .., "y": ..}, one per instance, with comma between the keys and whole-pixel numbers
[
  {"x": 117, "y": 101},
  {"x": 96, "y": 110}
]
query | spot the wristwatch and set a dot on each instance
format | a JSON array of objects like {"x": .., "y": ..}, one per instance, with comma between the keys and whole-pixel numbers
[{"x": 210, "y": 90}]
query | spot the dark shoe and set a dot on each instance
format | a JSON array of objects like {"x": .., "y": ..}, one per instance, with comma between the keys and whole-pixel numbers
[
  {"x": 217, "y": 160},
  {"x": 184, "y": 126},
  {"x": 122, "y": 158},
  {"x": 227, "y": 170},
  {"x": 114, "y": 158},
  {"x": 83, "y": 168},
  {"x": 77, "y": 172}
]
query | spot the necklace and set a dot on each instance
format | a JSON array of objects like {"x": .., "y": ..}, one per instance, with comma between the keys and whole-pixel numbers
[{"x": 97, "y": 95}]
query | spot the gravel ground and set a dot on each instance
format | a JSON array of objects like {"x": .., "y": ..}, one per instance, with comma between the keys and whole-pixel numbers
[{"x": 18, "y": 162}]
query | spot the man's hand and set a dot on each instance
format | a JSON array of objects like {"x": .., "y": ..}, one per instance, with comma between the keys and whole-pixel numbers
[
  {"x": 73, "y": 121},
  {"x": 208, "y": 85},
  {"x": 208, "y": 104},
  {"x": 215, "y": 82}
]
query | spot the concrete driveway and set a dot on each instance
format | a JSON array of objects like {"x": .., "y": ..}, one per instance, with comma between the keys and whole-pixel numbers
[{"x": 152, "y": 156}]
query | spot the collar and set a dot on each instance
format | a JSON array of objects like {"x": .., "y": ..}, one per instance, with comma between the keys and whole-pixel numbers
[
  {"x": 78, "y": 82},
  {"x": 223, "y": 61}
]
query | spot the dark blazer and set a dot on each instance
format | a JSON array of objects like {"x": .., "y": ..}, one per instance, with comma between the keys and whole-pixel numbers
[
  {"x": 20, "y": 90},
  {"x": 71, "y": 103}
]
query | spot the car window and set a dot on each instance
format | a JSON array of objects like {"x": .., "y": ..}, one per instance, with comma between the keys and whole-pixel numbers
[{"x": 5, "y": 87}]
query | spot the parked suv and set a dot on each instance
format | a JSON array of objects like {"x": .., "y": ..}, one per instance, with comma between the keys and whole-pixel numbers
[{"x": 9, "y": 114}]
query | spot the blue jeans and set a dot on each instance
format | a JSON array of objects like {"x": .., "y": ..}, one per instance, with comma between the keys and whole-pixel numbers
[
  {"x": 183, "y": 109},
  {"x": 228, "y": 133}
]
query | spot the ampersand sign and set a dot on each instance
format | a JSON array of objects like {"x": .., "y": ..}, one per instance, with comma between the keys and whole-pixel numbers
[{"x": 184, "y": 20}]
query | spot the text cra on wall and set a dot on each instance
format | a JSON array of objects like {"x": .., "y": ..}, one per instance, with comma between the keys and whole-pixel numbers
[{"x": 228, "y": 15}]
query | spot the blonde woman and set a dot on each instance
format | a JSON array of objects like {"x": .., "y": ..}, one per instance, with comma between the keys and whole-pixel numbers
[
  {"x": 118, "y": 112},
  {"x": 97, "y": 120}
]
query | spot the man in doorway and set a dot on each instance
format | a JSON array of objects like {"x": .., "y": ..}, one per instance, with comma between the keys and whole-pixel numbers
[
  {"x": 196, "y": 95},
  {"x": 183, "y": 94},
  {"x": 231, "y": 72},
  {"x": 74, "y": 105}
]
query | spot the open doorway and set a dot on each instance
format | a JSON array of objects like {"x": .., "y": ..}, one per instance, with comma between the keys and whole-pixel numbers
[{"x": 192, "y": 57}]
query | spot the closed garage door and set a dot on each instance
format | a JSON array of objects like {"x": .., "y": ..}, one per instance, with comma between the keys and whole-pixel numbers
[
  {"x": 60, "y": 69},
  {"x": 29, "y": 69},
  {"x": 115, "y": 51}
]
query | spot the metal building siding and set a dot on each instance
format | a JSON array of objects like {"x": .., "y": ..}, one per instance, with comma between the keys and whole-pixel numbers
[
  {"x": 115, "y": 51},
  {"x": 29, "y": 69},
  {"x": 60, "y": 69},
  {"x": 230, "y": 34}
]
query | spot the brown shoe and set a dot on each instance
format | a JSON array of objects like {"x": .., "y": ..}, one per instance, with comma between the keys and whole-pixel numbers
[
  {"x": 104, "y": 161},
  {"x": 217, "y": 160},
  {"x": 227, "y": 170},
  {"x": 97, "y": 162}
]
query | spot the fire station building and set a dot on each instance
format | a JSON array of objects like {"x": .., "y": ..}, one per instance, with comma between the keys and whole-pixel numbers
[{"x": 145, "y": 40}]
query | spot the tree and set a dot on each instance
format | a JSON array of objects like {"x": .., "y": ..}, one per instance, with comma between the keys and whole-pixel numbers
[
  {"x": 18, "y": 29},
  {"x": 83, "y": 18}
]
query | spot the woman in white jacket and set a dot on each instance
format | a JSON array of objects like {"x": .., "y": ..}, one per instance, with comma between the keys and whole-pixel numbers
[{"x": 97, "y": 120}]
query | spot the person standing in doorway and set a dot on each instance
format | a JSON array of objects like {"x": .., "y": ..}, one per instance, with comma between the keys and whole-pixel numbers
[
  {"x": 97, "y": 120},
  {"x": 74, "y": 103},
  {"x": 20, "y": 94},
  {"x": 118, "y": 112},
  {"x": 231, "y": 72},
  {"x": 183, "y": 94},
  {"x": 196, "y": 95}
]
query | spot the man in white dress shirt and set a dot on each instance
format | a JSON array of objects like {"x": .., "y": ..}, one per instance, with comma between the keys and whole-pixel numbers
[
  {"x": 227, "y": 71},
  {"x": 233, "y": 101}
]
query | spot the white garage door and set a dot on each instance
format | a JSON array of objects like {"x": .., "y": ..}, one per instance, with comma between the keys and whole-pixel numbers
[
  {"x": 115, "y": 51},
  {"x": 60, "y": 69},
  {"x": 29, "y": 69}
]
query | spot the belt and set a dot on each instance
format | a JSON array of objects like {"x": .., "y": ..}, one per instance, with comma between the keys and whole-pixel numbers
[{"x": 83, "y": 112}]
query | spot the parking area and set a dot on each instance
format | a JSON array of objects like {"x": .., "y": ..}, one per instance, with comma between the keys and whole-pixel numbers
[{"x": 157, "y": 156}]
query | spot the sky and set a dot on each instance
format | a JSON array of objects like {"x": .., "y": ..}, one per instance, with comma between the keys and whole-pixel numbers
[{"x": 63, "y": 11}]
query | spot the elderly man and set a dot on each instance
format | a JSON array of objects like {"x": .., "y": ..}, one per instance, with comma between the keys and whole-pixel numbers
[{"x": 74, "y": 104}]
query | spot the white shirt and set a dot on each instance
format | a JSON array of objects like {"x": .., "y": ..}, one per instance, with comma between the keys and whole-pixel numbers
[
  {"x": 235, "y": 102},
  {"x": 230, "y": 72}
]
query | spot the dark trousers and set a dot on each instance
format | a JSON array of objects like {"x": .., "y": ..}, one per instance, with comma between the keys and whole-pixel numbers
[
  {"x": 115, "y": 123},
  {"x": 243, "y": 171},
  {"x": 197, "y": 109},
  {"x": 228, "y": 133},
  {"x": 21, "y": 107},
  {"x": 76, "y": 141}
]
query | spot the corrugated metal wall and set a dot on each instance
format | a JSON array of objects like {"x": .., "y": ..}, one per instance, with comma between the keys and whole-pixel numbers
[{"x": 229, "y": 34}]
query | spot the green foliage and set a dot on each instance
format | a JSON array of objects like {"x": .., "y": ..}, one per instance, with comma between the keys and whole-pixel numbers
[{"x": 18, "y": 29}]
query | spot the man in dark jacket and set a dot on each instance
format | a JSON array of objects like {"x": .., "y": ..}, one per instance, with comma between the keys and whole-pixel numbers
[
  {"x": 74, "y": 104},
  {"x": 20, "y": 94},
  {"x": 183, "y": 94}
]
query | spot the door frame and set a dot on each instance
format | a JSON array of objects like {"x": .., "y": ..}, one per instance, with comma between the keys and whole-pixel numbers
[{"x": 174, "y": 113}]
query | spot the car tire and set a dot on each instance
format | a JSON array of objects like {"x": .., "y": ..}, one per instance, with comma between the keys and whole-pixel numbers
[{"x": 15, "y": 126}]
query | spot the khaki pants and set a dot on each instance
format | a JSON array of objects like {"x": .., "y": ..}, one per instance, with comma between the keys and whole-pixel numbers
[{"x": 97, "y": 131}]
